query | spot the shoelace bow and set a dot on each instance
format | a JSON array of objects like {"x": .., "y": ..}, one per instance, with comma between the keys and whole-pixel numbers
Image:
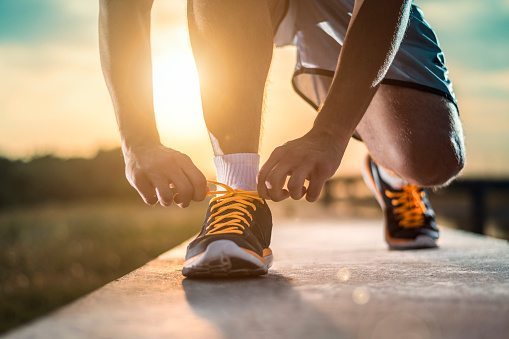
[
  {"x": 409, "y": 205},
  {"x": 235, "y": 202}
]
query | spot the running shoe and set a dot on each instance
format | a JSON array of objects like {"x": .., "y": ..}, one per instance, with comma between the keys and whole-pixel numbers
[
  {"x": 409, "y": 217},
  {"x": 234, "y": 239}
]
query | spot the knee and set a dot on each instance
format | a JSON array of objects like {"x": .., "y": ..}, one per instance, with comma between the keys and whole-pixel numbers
[
  {"x": 437, "y": 173},
  {"x": 434, "y": 166}
]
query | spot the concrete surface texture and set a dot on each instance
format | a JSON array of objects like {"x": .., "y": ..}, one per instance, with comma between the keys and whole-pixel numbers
[{"x": 331, "y": 279}]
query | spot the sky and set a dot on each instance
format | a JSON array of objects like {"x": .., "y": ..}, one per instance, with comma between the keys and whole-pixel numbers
[{"x": 53, "y": 98}]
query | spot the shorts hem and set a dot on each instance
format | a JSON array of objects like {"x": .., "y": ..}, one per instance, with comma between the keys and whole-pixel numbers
[
  {"x": 414, "y": 85},
  {"x": 386, "y": 81}
]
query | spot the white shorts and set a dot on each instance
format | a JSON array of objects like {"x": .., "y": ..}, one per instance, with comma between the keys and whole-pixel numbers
[{"x": 318, "y": 27}]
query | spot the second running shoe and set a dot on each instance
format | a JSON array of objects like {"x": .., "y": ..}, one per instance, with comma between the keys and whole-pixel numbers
[{"x": 409, "y": 217}]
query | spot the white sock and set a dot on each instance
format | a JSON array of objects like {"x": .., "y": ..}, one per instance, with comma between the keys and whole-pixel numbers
[
  {"x": 391, "y": 178},
  {"x": 238, "y": 170}
]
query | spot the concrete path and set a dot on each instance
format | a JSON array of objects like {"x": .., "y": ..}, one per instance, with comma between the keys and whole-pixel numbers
[{"x": 332, "y": 279}]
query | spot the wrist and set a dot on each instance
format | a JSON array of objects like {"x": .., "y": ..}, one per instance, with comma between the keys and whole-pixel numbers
[
  {"x": 131, "y": 144},
  {"x": 328, "y": 138},
  {"x": 337, "y": 117},
  {"x": 334, "y": 134}
]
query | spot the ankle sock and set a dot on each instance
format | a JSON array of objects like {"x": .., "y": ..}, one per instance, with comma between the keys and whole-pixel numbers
[
  {"x": 391, "y": 178},
  {"x": 238, "y": 170}
]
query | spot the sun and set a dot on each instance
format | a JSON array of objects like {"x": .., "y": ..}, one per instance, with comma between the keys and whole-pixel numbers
[{"x": 177, "y": 94}]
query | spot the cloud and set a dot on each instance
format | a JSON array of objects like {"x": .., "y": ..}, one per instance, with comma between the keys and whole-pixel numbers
[
  {"x": 39, "y": 22},
  {"x": 52, "y": 93},
  {"x": 62, "y": 106},
  {"x": 53, "y": 97},
  {"x": 472, "y": 33}
]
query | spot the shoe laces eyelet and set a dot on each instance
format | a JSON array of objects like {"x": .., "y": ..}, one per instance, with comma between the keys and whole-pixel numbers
[{"x": 231, "y": 210}]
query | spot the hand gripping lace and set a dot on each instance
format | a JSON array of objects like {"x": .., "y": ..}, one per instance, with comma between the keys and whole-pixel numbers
[
  {"x": 408, "y": 205},
  {"x": 229, "y": 209}
]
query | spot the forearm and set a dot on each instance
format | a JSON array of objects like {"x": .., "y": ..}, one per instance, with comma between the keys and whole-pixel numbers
[
  {"x": 124, "y": 38},
  {"x": 372, "y": 40}
]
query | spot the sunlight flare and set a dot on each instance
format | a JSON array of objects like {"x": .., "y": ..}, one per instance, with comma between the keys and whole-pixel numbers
[{"x": 177, "y": 95}]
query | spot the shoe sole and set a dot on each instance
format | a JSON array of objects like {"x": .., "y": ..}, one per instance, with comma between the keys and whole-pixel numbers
[
  {"x": 420, "y": 242},
  {"x": 225, "y": 259}
]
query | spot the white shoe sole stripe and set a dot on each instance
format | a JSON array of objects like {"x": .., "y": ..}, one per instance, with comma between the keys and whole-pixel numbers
[{"x": 220, "y": 252}]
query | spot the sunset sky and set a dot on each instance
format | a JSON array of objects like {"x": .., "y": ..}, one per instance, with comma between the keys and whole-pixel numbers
[{"x": 53, "y": 98}]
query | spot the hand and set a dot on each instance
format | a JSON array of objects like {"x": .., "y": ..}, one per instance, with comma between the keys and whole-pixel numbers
[
  {"x": 315, "y": 157},
  {"x": 162, "y": 174}
]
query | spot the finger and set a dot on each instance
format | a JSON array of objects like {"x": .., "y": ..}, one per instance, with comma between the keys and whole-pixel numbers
[
  {"x": 274, "y": 158},
  {"x": 197, "y": 180},
  {"x": 315, "y": 187},
  {"x": 144, "y": 188},
  {"x": 163, "y": 191},
  {"x": 296, "y": 183},
  {"x": 277, "y": 179},
  {"x": 183, "y": 187}
]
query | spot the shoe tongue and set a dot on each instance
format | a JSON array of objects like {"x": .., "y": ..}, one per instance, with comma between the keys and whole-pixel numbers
[
  {"x": 229, "y": 203},
  {"x": 227, "y": 210},
  {"x": 235, "y": 195}
]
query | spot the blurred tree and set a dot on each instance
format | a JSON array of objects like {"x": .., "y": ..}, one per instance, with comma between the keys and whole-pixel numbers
[{"x": 49, "y": 178}]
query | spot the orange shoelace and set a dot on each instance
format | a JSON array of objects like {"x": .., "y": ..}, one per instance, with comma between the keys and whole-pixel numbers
[
  {"x": 236, "y": 203},
  {"x": 409, "y": 205}
]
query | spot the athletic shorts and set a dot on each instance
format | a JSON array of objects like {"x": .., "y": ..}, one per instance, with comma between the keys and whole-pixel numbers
[{"x": 318, "y": 27}]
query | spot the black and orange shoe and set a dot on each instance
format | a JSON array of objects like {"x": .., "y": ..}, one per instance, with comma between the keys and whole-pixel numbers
[
  {"x": 409, "y": 218},
  {"x": 234, "y": 239}
]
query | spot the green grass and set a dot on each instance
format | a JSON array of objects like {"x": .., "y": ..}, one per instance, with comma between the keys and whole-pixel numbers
[{"x": 52, "y": 254}]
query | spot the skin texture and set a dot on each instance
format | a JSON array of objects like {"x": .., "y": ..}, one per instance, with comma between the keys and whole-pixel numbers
[
  {"x": 157, "y": 172},
  {"x": 415, "y": 134},
  {"x": 371, "y": 42},
  {"x": 233, "y": 54}
]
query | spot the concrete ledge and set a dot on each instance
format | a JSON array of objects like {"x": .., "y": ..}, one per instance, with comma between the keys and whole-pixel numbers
[{"x": 331, "y": 279}]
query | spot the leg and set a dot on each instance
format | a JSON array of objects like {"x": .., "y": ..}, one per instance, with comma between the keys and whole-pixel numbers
[
  {"x": 418, "y": 136},
  {"x": 415, "y": 134},
  {"x": 232, "y": 45}
]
